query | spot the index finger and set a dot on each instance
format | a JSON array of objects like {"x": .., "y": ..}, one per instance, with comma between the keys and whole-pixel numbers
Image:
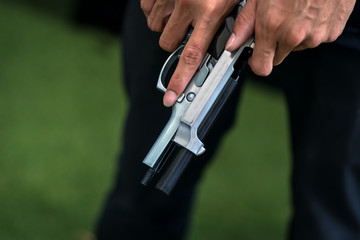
[{"x": 189, "y": 62}]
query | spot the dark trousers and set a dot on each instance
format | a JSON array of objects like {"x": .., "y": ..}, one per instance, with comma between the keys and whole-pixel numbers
[{"x": 322, "y": 88}]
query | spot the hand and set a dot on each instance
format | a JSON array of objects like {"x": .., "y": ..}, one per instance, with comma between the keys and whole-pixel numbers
[
  {"x": 173, "y": 18},
  {"x": 282, "y": 26}
]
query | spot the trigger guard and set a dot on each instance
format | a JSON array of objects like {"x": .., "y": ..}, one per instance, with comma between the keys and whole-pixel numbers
[{"x": 166, "y": 67}]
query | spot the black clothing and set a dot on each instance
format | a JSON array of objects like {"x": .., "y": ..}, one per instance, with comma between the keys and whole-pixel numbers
[
  {"x": 351, "y": 34},
  {"x": 354, "y": 20},
  {"x": 322, "y": 88}
]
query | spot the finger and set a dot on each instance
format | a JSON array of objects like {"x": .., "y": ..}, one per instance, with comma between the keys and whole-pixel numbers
[
  {"x": 159, "y": 15},
  {"x": 174, "y": 31},
  {"x": 290, "y": 42},
  {"x": 287, "y": 43},
  {"x": 243, "y": 28},
  {"x": 292, "y": 37},
  {"x": 190, "y": 60},
  {"x": 146, "y": 6},
  {"x": 261, "y": 61},
  {"x": 281, "y": 52}
]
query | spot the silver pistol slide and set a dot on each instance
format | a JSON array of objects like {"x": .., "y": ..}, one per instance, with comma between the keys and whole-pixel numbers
[{"x": 197, "y": 108}]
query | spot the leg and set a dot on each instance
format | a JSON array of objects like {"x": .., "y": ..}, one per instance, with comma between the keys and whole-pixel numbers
[
  {"x": 323, "y": 92},
  {"x": 133, "y": 211}
]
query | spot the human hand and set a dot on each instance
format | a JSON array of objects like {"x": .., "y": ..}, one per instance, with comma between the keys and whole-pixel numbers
[
  {"x": 173, "y": 18},
  {"x": 282, "y": 26}
]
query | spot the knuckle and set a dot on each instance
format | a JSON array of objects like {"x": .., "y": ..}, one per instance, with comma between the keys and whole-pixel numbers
[
  {"x": 213, "y": 9},
  {"x": 334, "y": 35},
  {"x": 272, "y": 24},
  {"x": 145, "y": 6},
  {"x": 191, "y": 55},
  {"x": 332, "y": 38},
  {"x": 209, "y": 8},
  {"x": 150, "y": 22},
  {"x": 165, "y": 44},
  {"x": 318, "y": 37},
  {"x": 313, "y": 41},
  {"x": 161, "y": 3},
  {"x": 294, "y": 38},
  {"x": 153, "y": 25}
]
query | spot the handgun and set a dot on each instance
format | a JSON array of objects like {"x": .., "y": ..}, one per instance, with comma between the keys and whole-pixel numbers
[{"x": 198, "y": 106}]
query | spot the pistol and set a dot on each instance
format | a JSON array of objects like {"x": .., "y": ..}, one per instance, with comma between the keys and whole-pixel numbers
[{"x": 198, "y": 106}]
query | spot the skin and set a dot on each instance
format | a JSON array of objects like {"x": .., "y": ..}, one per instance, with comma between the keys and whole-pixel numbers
[{"x": 279, "y": 26}]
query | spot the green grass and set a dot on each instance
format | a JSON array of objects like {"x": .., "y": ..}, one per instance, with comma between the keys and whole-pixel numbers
[
  {"x": 61, "y": 112},
  {"x": 61, "y": 109}
]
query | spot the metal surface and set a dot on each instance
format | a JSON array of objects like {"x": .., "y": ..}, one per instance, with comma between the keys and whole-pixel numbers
[
  {"x": 196, "y": 109},
  {"x": 186, "y": 135},
  {"x": 178, "y": 109}
]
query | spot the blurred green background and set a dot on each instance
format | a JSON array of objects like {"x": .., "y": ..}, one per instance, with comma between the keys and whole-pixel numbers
[{"x": 62, "y": 106}]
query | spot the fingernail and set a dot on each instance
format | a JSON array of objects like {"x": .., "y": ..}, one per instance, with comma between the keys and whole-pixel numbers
[
  {"x": 230, "y": 41},
  {"x": 170, "y": 98}
]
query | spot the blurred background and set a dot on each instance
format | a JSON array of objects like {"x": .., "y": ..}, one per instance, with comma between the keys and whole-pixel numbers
[{"x": 62, "y": 106}]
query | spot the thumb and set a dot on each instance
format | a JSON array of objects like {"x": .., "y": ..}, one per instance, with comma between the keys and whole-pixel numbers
[{"x": 244, "y": 26}]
